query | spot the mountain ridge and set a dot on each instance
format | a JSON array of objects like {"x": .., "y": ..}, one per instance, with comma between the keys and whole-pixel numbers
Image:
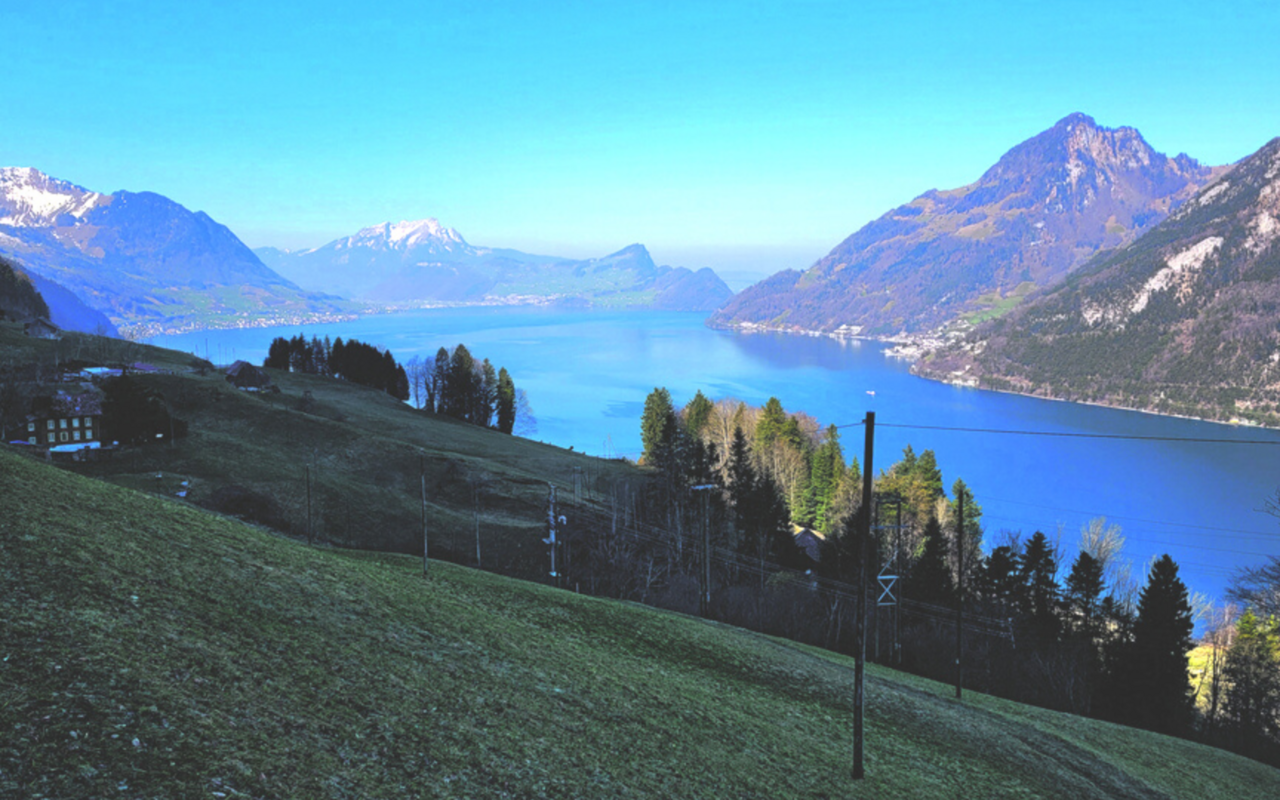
[
  {"x": 1184, "y": 320},
  {"x": 1045, "y": 207},
  {"x": 140, "y": 257},
  {"x": 415, "y": 262}
]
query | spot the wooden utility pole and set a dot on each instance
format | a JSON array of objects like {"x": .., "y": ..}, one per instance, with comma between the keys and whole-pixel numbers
[
  {"x": 311, "y": 534},
  {"x": 959, "y": 595},
  {"x": 426, "y": 561},
  {"x": 704, "y": 599},
  {"x": 860, "y": 601}
]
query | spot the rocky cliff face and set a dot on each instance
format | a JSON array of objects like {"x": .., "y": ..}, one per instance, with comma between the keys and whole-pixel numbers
[
  {"x": 1184, "y": 320},
  {"x": 1045, "y": 208}
]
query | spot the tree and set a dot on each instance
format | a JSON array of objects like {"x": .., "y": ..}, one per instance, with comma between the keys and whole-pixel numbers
[
  {"x": 487, "y": 398},
  {"x": 772, "y": 422},
  {"x": 1156, "y": 678},
  {"x": 526, "y": 423},
  {"x": 1084, "y": 594},
  {"x": 697, "y": 414},
  {"x": 930, "y": 580},
  {"x": 1040, "y": 590},
  {"x": 1258, "y": 588},
  {"x": 506, "y": 402},
  {"x": 439, "y": 380},
  {"x": 657, "y": 424},
  {"x": 460, "y": 387},
  {"x": 1252, "y": 675}
]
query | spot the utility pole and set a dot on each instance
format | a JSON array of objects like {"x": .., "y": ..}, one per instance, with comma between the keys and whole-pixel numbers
[
  {"x": 860, "y": 602},
  {"x": 705, "y": 598},
  {"x": 426, "y": 561},
  {"x": 959, "y": 595},
  {"x": 550, "y": 541},
  {"x": 311, "y": 533},
  {"x": 897, "y": 611}
]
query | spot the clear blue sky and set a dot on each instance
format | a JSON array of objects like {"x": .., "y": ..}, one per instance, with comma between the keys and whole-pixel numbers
[{"x": 730, "y": 134}]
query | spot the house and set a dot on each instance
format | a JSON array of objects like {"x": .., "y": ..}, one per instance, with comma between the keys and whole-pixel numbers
[
  {"x": 40, "y": 328},
  {"x": 246, "y": 376},
  {"x": 65, "y": 420},
  {"x": 101, "y": 373}
]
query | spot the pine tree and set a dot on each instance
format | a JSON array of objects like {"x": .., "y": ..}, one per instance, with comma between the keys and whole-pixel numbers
[
  {"x": 770, "y": 426},
  {"x": 1084, "y": 594},
  {"x": 1039, "y": 589},
  {"x": 657, "y": 424},
  {"x": 439, "y": 380},
  {"x": 999, "y": 578},
  {"x": 460, "y": 384},
  {"x": 931, "y": 580},
  {"x": 696, "y": 414},
  {"x": 506, "y": 402},
  {"x": 1158, "y": 690}
]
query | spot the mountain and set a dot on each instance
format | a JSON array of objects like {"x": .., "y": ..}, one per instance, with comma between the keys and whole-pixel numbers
[
  {"x": 1185, "y": 320},
  {"x": 24, "y": 295},
  {"x": 1046, "y": 207},
  {"x": 140, "y": 257},
  {"x": 416, "y": 262}
]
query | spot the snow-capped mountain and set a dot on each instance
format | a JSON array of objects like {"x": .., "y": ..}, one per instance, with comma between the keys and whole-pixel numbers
[
  {"x": 139, "y": 257},
  {"x": 31, "y": 199},
  {"x": 410, "y": 262}
]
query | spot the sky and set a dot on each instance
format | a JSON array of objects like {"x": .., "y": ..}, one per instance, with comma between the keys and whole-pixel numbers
[{"x": 746, "y": 137}]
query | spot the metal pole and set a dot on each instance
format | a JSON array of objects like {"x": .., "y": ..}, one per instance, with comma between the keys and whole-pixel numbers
[
  {"x": 959, "y": 595},
  {"x": 551, "y": 532},
  {"x": 860, "y": 607}
]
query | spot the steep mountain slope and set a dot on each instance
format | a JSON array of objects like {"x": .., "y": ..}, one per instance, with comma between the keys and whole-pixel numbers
[
  {"x": 1184, "y": 320},
  {"x": 140, "y": 257},
  {"x": 1046, "y": 207},
  {"x": 24, "y": 294},
  {"x": 154, "y": 650},
  {"x": 408, "y": 263}
]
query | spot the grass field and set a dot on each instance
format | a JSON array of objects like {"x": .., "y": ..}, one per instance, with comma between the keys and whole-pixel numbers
[
  {"x": 151, "y": 649},
  {"x": 366, "y": 451}
]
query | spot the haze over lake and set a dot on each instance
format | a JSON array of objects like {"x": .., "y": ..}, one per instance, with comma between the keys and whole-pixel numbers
[{"x": 587, "y": 375}]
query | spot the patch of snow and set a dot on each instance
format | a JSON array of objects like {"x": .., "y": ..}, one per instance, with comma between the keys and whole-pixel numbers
[
  {"x": 29, "y": 198},
  {"x": 1180, "y": 267}
]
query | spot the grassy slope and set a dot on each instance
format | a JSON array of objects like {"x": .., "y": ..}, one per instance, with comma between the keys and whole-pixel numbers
[
  {"x": 366, "y": 452},
  {"x": 251, "y": 665}
]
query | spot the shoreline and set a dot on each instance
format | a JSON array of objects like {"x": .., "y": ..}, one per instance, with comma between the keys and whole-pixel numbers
[{"x": 909, "y": 347}]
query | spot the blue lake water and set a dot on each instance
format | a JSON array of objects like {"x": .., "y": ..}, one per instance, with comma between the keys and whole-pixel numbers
[{"x": 587, "y": 375}]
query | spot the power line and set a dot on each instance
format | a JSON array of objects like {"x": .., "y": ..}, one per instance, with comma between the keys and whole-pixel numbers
[
  {"x": 1133, "y": 519},
  {"x": 1076, "y": 435}
]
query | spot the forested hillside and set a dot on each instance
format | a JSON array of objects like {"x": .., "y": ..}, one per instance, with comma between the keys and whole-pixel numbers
[{"x": 1185, "y": 320}]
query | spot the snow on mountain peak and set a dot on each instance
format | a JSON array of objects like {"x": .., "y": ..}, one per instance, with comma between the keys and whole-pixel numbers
[
  {"x": 31, "y": 199},
  {"x": 407, "y": 234}
]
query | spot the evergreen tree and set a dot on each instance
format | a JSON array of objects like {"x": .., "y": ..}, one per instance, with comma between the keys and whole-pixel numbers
[
  {"x": 1039, "y": 588},
  {"x": 506, "y": 402},
  {"x": 1084, "y": 594},
  {"x": 930, "y": 580},
  {"x": 439, "y": 379},
  {"x": 1252, "y": 675},
  {"x": 1158, "y": 690},
  {"x": 770, "y": 425},
  {"x": 487, "y": 401},
  {"x": 658, "y": 424},
  {"x": 928, "y": 475},
  {"x": 999, "y": 578},
  {"x": 697, "y": 413},
  {"x": 460, "y": 386}
]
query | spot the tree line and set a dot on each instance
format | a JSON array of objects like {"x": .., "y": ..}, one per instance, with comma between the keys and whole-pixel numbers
[
  {"x": 1066, "y": 628},
  {"x": 452, "y": 382},
  {"x": 352, "y": 361}
]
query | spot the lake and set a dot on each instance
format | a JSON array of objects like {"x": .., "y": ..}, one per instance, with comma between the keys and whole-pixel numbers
[{"x": 587, "y": 374}]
